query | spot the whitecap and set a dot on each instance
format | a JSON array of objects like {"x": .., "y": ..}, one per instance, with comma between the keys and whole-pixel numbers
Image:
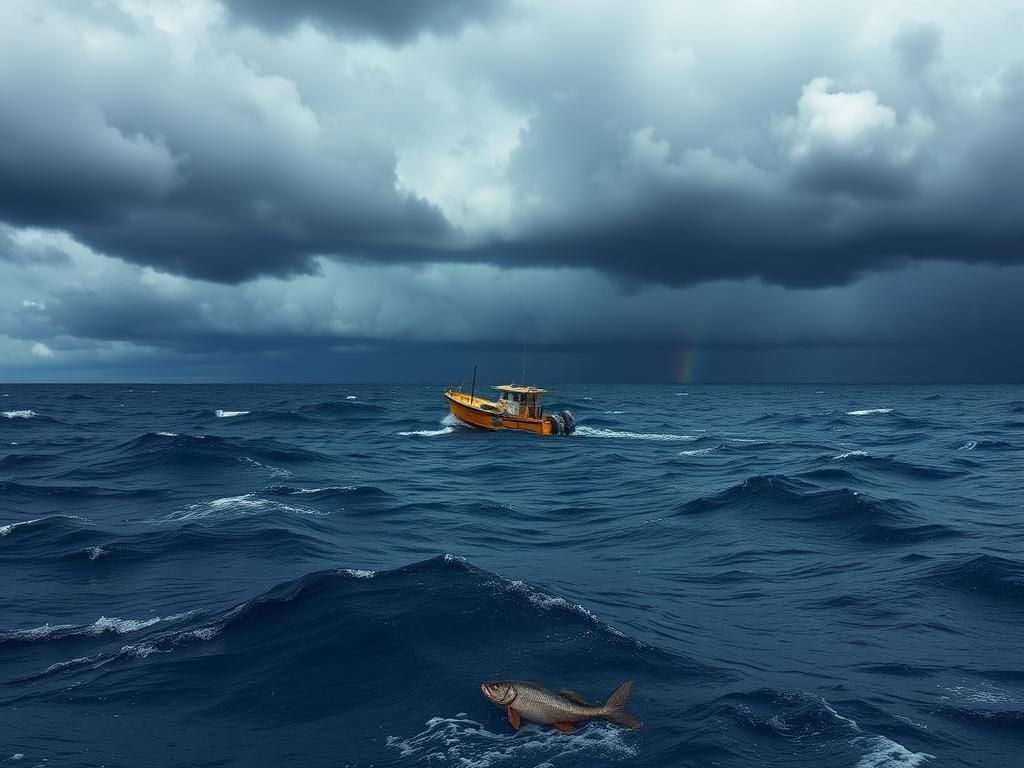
[
  {"x": 700, "y": 451},
  {"x": 586, "y": 431},
  {"x": 351, "y": 397},
  {"x": 238, "y": 506},
  {"x": 101, "y": 626},
  {"x": 428, "y": 432},
  {"x": 358, "y": 573},
  {"x": 614, "y": 413},
  {"x": 273, "y": 471},
  {"x": 167, "y": 434},
  {"x": 886, "y": 753},
  {"x": 970, "y": 445},
  {"x": 849, "y": 455},
  {"x": 300, "y": 491},
  {"x": 869, "y": 411},
  {"x": 25, "y": 414},
  {"x": 228, "y": 414},
  {"x": 469, "y": 744},
  {"x": 95, "y": 553},
  {"x": 6, "y": 530}
]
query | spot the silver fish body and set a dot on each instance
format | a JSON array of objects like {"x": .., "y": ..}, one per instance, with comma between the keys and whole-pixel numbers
[{"x": 539, "y": 704}]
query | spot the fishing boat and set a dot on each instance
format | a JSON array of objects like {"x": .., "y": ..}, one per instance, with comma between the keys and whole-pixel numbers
[{"x": 517, "y": 407}]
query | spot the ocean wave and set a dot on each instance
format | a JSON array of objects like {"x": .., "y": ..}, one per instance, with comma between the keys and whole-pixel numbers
[
  {"x": 790, "y": 718},
  {"x": 869, "y": 412},
  {"x": 229, "y": 414},
  {"x": 44, "y": 533},
  {"x": 239, "y": 506},
  {"x": 202, "y": 452},
  {"x": 701, "y": 451},
  {"x": 428, "y": 432},
  {"x": 461, "y": 741},
  {"x": 24, "y": 414},
  {"x": 102, "y": 626},
  {"x": 789, "y": 500},
  {"x": 586, "y": 431},
  {"x": 892, "y": 465},
  {"x": 984, "y": 575}
]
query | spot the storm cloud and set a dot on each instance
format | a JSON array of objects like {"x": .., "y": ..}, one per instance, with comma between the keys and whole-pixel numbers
[
  {"x": 392, "y": 20},
  {"x": 259, "y": 176}
]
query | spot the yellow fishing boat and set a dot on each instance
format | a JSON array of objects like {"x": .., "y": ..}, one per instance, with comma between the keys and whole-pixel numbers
[{"x": 517, "y": 407}]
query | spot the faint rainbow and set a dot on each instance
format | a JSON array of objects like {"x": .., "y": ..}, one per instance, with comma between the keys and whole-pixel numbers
[{"x": 685, "y": 367}]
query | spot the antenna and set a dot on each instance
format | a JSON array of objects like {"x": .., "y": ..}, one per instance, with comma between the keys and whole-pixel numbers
[{"x": 524, "y": 362}]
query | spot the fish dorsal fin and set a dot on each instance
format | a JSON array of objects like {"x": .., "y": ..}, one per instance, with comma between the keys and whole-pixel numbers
[{"x": 573, "y": 696}]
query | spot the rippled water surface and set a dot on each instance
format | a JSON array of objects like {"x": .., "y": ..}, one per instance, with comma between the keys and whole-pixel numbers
[{"x": 321, "y": 576}]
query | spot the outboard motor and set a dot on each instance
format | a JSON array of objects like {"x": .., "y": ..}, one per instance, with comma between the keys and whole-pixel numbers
[
  {"x": 568, "y": 422},
  {"x": 557, "y": 425}
]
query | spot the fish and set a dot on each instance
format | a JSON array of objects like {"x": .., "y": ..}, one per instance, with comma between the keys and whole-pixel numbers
[{"x": 563, "y": 709}]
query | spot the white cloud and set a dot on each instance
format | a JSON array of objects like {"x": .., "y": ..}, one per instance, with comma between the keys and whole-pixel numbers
[{"x": 41, "y": 350}]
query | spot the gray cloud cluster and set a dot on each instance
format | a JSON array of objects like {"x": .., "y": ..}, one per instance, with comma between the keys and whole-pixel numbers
[
  {"x": 392, "y": 20},
  {"x": 313, "y": 173}
]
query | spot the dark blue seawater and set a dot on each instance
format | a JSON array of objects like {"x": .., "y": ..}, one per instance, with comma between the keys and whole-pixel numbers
[{"x": 322, "y": 576}]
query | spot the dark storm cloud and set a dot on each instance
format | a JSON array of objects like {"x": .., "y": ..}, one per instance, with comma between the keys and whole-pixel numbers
[
  {"x": 392, "y": 20},
  {"x": 218, "y": 154}
]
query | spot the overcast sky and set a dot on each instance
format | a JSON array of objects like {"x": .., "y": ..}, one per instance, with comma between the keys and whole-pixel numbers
[{"x": 392, "y": 191}]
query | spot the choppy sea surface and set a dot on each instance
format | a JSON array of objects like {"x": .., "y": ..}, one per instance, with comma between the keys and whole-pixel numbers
[{"x": 323, "y": 575}]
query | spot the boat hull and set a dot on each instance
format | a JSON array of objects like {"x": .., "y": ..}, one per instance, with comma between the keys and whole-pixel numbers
[{"x": 483, "y": 414}]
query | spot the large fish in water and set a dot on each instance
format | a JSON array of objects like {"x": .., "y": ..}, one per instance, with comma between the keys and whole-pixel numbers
[{"x": 533, "y": 702}]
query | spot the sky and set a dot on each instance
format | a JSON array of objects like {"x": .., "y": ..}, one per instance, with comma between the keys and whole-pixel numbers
[{"x": 685, "y": 192}]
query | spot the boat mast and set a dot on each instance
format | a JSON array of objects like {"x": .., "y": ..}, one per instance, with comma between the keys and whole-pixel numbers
[
  {"x": 524, "y": 361},
  {"x": 472, "y": 391}
]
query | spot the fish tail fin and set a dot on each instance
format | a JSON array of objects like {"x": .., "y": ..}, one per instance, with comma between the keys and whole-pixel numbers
[{"x": 614, "y": 708}]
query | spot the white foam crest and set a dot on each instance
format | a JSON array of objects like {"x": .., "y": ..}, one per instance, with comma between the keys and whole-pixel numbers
[
  {"x": 455, "y": 559},
  {"x": 273, "y": 471},
  {"x": 469, "y": 744},
  {"x": 886, "y": 753},
  {"x": 167, "y": 434},
  {"x": 60, "y": 666},
  {"x": 7, "y": 530},
  {"x": 17, "y": 756},
  {"x": 615, "y": 413},
  {"x": 545, "y": 601},
  {"x": 351, "y": 397},
  {"x": 18, "y": 414},
  {"x": 358, "y": 573},
  {"x": 970, "y": 445},
  {"x": 120, "y": 626},
  {"x": 869, "y": 411},
  {"x": 988, "y": 694},
  {"x": 95, "y": 553},
  {"x": 428, "y": 432},
  {"x": 239, "y": 506},
  {"x": 700, "y": 451},
  {"x": 36, "y": 633},
  {"x": 228, "y": 414},
  {"x": 586, "y": 431},
  {"x": 849, "y": 455},
  {"x": 301, "y": 491},
  {"x": 140, "y": 651}
]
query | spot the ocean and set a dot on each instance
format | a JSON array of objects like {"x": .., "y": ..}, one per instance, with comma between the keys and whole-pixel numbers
[{"x": 257, "y": 575}]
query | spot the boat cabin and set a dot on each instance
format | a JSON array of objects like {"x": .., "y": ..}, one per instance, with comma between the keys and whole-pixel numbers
[{"x": 520, "y": 401}]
